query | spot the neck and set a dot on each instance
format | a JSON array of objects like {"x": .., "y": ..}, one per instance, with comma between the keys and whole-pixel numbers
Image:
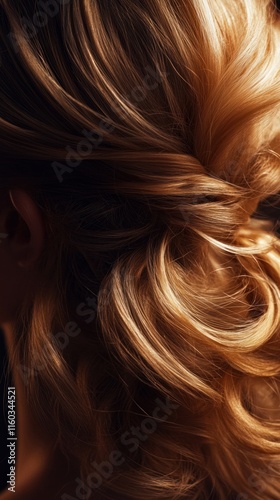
[{"x": 34, "y": 444}]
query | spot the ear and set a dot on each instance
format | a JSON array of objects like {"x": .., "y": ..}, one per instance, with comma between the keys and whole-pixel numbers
[{"x": 26, "y": 230}]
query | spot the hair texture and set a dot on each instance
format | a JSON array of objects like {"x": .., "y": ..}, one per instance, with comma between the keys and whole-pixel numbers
[{"x": 160, "y": 220}]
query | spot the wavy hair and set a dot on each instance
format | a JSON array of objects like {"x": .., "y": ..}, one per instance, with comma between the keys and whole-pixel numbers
[{"x": 148, "y": 133}]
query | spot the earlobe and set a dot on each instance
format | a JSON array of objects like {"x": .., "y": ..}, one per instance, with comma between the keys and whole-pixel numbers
[{"x": 28, "y": 235}]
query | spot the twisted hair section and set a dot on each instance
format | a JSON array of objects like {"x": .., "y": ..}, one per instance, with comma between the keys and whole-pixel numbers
[{"x": 149, "y": 135}]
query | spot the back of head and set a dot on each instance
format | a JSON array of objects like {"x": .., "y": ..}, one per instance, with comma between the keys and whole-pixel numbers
[{"x": 149, "y": 135}]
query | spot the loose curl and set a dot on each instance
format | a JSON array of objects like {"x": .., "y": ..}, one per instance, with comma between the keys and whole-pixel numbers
[{"x": 161, "y": 221}]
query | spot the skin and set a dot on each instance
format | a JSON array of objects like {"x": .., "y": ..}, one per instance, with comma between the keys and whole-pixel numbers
[{"x": 41, "y": 469}]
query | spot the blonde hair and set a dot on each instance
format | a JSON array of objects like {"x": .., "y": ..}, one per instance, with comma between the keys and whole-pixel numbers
[{"x": 149, "y": 135}]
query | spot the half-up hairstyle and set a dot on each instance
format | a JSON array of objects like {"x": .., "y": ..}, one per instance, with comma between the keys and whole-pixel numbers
[{"x": 148, "y": 133}]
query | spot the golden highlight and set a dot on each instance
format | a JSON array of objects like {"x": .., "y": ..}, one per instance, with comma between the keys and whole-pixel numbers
[{"x": 149, "y": 135}]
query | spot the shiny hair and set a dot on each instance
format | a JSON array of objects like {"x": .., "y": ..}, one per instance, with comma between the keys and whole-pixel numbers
[{"x": 148, "y": 133}]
